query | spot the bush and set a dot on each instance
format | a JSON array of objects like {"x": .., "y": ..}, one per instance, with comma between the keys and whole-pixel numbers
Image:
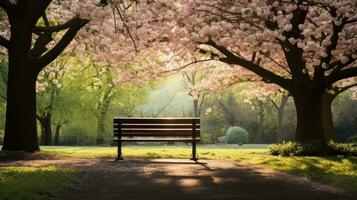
[
  {"x": 313, "y": 149},
  {"x": 236, "y": 135}
]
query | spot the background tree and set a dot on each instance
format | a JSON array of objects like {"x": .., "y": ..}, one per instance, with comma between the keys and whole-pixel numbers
[{"x": 191, "y": 78}]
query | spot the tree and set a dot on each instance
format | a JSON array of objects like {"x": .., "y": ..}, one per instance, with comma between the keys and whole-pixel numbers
[
  {"x": 191, "y": 78},
  {"x": 48, "y": 88},
  {"x": 306, "y": 47},
  {"x": 279, "y": 102},
  {"x": 27, "y": 56},
  {"x": 38, "y": 31}
]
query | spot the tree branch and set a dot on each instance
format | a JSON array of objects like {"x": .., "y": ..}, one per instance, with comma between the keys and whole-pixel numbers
[
  {"x": 4, "y": 42},
  {"x": 231, "y": 58},
  {"x": 6, "y": 5},
  {"x": 186, "y": 65},
  {"x": 338, "y": 66},
  {"x": 38, "y": 8},
  {"x": 51, "y": 55},
  {"x": 340, "y": 90},
  {"x": 344, "y": 74},
  {"x": 60, "y": 27}
]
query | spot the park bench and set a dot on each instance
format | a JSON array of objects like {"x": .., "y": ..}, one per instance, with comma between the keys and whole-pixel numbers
[{"x": 156, "y": 130}]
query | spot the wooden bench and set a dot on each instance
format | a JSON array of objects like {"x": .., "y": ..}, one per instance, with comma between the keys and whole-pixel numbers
[{"x": 156, "y": 129}]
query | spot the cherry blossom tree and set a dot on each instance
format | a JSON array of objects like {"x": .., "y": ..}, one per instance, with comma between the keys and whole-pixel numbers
[
  {"x": 26, "y": 41},
  {"x": 309, "y": 48}
]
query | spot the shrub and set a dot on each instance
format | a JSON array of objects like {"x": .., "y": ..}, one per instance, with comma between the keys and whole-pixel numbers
[
  {"x": 236, "y": 135},
  {"x": 313, "y": 149}
]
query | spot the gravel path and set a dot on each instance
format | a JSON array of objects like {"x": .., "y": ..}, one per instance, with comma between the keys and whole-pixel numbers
[{"x": 177, "y": 179}]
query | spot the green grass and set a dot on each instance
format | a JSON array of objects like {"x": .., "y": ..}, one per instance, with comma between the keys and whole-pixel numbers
[
  {"x": 338, "y": 172},
  {"x": 32, "y": 183}
]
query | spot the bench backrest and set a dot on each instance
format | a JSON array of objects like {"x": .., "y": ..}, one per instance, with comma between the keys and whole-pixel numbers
[{"x": 157, "y": 127}]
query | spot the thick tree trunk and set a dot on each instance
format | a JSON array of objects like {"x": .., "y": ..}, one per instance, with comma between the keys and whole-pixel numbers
[
  {"x": 314, "y": 116},
  {"x": 21, "y": 131},
  {"x": 281, "y": 133}
]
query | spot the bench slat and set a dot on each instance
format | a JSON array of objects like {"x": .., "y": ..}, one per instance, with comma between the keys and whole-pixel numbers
[
  {"x": 157, "y": 120},
  {"x": 157, "y": 139},
  {"x": 138, "y": 134},
  {"x": 127, "y": 125}
]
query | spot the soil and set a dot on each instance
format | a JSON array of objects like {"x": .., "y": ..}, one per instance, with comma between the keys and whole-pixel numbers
[{"x": 179, "y": 179}]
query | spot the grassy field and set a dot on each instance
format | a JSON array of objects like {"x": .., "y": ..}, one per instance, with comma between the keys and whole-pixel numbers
[
  {"x": 30, "y": 183},
  {"x": 338, "y": 172}
]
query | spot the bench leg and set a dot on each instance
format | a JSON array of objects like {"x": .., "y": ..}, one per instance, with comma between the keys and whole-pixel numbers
[
  {"x": 194, "y": 156},
  {"x": 120, "y": 154}
]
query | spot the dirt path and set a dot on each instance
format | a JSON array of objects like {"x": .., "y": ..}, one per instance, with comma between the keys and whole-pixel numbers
[{"x": 174, "y": 179}]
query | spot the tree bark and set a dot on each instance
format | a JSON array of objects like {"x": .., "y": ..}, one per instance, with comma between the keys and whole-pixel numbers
[
  {"x": 20, "y": 130},
  {"x": 314, "y": 116}
]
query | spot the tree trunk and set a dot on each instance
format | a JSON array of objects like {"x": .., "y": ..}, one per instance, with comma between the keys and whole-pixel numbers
[
  {"x": 20, "y": 130},
  {"x": 195, "y": 108},
  {"x": 46, "y": 129},
  {"x": 281, "y": 133},
  {"x": 57, "y": 133},
  {"x": 314, "y": 116},
  {"x": 103, "y": 110},
  {"x": 261, "y": 122}
]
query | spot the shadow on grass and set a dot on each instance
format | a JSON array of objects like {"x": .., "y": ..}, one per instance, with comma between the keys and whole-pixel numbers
[{"x": 168, "y": 179}]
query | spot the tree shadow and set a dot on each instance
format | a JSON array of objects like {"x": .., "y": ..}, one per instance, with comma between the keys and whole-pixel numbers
[{"x": 178, "y": 179}]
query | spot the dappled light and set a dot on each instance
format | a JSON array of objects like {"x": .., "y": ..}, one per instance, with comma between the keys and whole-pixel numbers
[{"x": 178, "y": 99}]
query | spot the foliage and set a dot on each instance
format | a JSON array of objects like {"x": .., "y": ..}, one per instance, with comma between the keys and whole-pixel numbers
[
  {"x": 207, "y": 138},
  {"x": 352, "y": 138},
  {"x": 345, "y": 112},
  {"x": 237, "y": 135},
  {"x": 336, "y": 171},
  {"x": 32, "y": 183},
  {"x": 313, "y": 149}
]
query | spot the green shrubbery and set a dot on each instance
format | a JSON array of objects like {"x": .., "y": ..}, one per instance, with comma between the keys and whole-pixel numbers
[
  {"x": 313, "y": 149},
  {"x": 352, "y": 138},
  {"x": 237, "y": 135}
]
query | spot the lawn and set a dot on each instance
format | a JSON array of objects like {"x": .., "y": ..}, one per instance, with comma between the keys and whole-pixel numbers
[
  {"x": 335, "y": 171},
  {"x": 31, "y": 183}
]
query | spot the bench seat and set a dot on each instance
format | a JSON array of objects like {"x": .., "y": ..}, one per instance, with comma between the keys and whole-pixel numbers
[
  {"x": 156, "y": 130},
  {"x": 145, "y": 139}
]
